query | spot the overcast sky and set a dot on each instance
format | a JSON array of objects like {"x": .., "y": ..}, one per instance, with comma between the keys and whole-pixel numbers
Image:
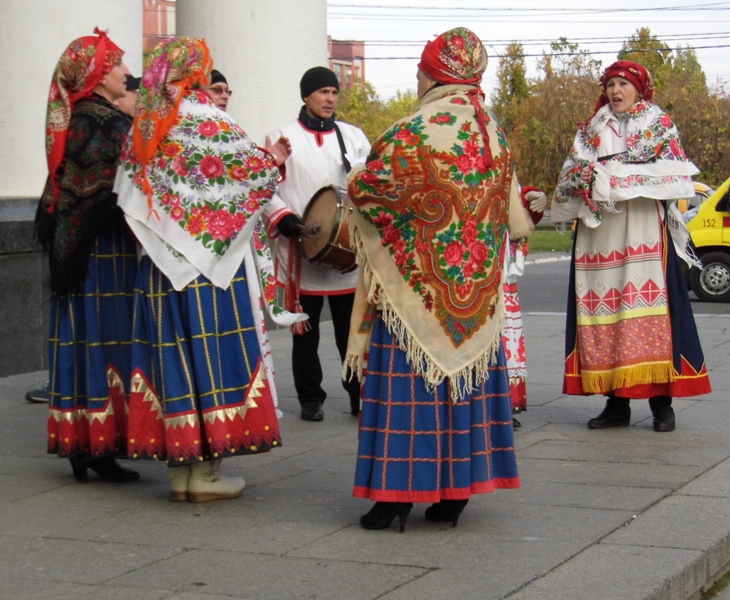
[{"x": 395, "y": 31}]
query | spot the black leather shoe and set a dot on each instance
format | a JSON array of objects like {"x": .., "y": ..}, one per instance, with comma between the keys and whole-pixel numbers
[
  {"x": 661, "y": 409},
  {"x": 312, "y": 411},
  {"x": 515, "y": 423},
  {"x": 617, "y": 413}
]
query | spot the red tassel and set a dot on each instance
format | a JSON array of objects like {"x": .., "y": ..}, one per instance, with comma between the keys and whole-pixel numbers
[{"x": 291, "y": 289}]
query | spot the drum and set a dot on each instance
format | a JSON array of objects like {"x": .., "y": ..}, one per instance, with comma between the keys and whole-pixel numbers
[{"x": 325, "y": 240}]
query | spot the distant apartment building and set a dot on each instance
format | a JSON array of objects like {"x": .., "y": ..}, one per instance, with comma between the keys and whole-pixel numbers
[
  {"x": 347, "y": 60},
  {"x": 158, "y": 22},
  {"x": 346, "y": 57}
]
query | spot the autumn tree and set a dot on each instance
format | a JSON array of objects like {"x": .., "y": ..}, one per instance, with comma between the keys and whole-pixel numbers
[
  {"x": 361, "y": 106},
  {"x": 512, "y": 86},
  {"x": 650, "y": 51},
  {"x": 561, "y": 96}
]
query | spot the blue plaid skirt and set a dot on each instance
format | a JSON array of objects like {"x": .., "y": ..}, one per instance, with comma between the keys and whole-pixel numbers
[
  {"x": 89, "y": 353},
  {"x": 199, "y": 388},
  {"x": 418, "y": 446}
]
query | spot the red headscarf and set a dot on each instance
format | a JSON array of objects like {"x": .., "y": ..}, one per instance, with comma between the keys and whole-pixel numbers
[
  {"x": 80, "y": 69},
  {"x": 637, "y": 74},
  {"x": 457, "y": 56}
]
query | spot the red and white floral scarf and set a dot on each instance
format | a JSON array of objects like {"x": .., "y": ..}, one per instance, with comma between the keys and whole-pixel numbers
[{"x": 654, "y": 165}]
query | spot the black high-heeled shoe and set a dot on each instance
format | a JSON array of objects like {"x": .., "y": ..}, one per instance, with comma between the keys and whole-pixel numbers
[
  {"x": 105, "y": 467},
  {"x": 445, "y": 511},
  {"x": 381, "y": 515}
]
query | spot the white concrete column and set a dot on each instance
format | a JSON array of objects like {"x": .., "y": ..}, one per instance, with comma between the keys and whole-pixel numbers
[
  {"x": 263, "y": 49},
  {"x": 34, "y": 36}
]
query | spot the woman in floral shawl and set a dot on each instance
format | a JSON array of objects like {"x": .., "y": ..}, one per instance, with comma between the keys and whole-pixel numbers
[
  {"x": 434, "y": 202},
  {"x": 92, "y": 260},
  {"x": 630, "y": 331},
  {"x": 193, "y": 186}
]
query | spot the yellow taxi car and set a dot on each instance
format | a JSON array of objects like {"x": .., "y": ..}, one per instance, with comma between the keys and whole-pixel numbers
[
  {"x": 710, "y": 231},
  {"x": 702, "y": 193}
]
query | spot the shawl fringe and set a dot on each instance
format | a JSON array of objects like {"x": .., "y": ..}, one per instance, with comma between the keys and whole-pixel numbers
[{"x": 462, "y": 382}]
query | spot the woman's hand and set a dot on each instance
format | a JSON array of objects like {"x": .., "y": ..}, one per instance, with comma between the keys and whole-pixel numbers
[{"x": 281, "y": 149}]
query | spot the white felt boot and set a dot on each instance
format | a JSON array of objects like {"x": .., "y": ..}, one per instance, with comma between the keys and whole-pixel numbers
[
  {"x": 179, "y": 481},
  {"x": 207, "y": 483}
]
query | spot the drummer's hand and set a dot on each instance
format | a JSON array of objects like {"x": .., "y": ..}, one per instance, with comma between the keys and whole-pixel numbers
[
  {"x": 281, "y": 149},
  {"x": 290, "y": 225}
]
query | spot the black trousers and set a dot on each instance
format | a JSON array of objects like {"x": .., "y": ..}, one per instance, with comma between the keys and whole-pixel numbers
[{"x": 306, "y": 365}]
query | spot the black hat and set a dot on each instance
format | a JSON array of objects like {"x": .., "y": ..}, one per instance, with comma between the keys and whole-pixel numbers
[
  {"x": 217, "y": 77},
  {"x": 133, "y": 83},
  {"x": 317, "y": 78}
]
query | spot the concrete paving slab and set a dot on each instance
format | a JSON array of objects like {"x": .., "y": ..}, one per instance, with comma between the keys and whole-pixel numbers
[
  {"x": 295, "y": 533},
  {"x": 254, "y": 575},
  {"x": 623, "y": 474},
  {"x": 714, "y": 482},
  {"x": 686, "y": 522},
  {"x": 55, "y": 590},
  {"x": 622, "y": 573},
  {"x": 27, "y": 557}
]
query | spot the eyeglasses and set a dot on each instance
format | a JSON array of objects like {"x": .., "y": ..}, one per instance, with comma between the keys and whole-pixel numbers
[{"x": 220, "y": 90}]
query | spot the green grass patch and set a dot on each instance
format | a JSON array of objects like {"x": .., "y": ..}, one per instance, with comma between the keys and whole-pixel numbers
[{"x": 549, "y": 240}]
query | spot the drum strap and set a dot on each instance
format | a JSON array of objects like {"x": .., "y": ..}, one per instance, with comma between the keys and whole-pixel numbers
[{"x": 343, "y": 150}]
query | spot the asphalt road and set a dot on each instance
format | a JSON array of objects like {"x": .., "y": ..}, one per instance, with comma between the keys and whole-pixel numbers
[{"x": 544, "y": 288}]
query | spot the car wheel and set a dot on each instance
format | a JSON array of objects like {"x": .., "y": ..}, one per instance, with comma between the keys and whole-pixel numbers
[{"x": 712, "y": 283}]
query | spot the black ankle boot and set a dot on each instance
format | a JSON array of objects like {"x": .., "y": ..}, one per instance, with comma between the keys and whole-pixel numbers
[
  {"x": 381, "y": 515},
  {"x": 617, "y": 413},
  {"x": 109, "y": 469},
  {"x": 661, "y": 409},
  {"x": 445, "y": 511}
]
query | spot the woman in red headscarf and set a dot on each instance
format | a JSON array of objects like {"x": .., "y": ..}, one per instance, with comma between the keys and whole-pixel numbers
[
  {"x": 630, "y": 331},
  {"x": 92, "y": 260},
  {"x": 434, "y": 202}
]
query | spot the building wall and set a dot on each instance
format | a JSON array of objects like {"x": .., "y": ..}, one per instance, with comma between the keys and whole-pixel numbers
[
  {"x": 34, "y": 36},
  {"x": 263, "y": 49}
]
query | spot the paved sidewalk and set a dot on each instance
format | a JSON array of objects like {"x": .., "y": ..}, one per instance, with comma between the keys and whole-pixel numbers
[{"x": 623, "y": 514}]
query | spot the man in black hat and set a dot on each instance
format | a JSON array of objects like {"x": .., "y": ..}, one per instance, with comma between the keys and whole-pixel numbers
[
  {"x": 323, "y": 151},
  {"x": 219, "y": 90}
]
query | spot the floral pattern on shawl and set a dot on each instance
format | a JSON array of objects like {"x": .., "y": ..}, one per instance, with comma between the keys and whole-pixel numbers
[
  {"x": 206, "y": 175},
  {"x": 439, "y": 213},
  {"x": 651, "y": 137}
]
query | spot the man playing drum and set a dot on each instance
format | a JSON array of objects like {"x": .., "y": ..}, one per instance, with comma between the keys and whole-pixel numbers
[{"x": 323, "y": 150}]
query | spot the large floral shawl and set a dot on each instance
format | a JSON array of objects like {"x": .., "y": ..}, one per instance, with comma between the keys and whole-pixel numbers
[
  {"x": 209, "y": 184},
  {"x": 429, "y": 229},
  {"x": 654, "y": 166}
]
